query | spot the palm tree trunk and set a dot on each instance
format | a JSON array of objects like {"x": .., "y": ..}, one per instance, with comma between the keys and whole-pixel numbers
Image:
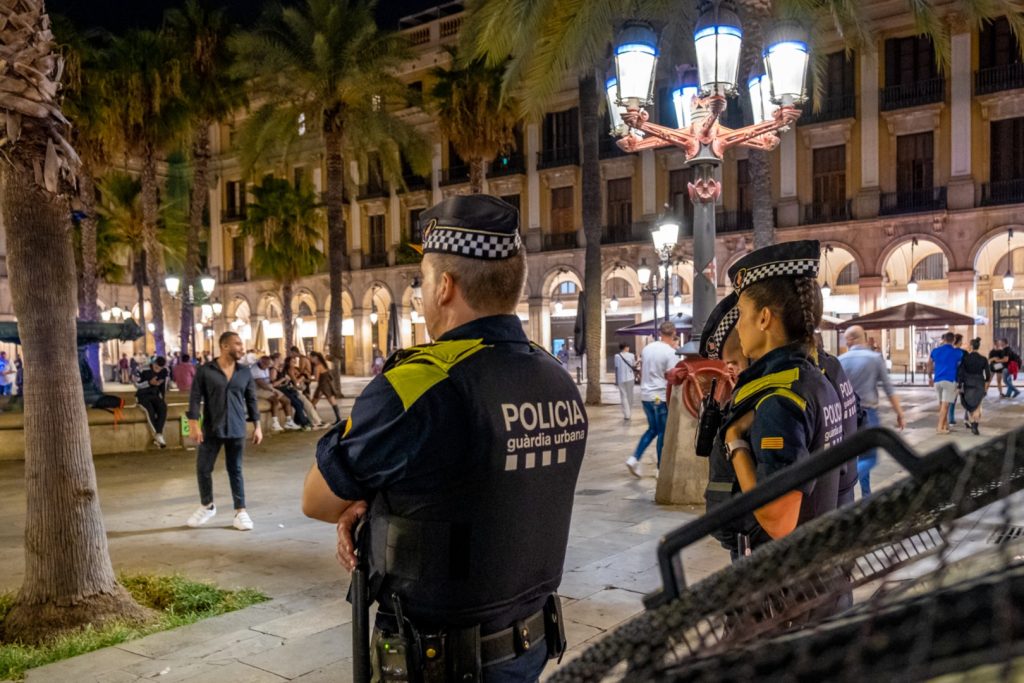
[
  {"x": 591, "y": 197},
  {"x": 197, "y": 206},
  {"x": 150, "y": 217},
  {"x": 88, "y": 278},
  {"x": 69, "y": 581},
  {"x": 139, "y": 277},
  {"x": 476, "y": 176},
  {"x": 287, "y": 323},
  {"x": 336, "y": 249},
  {"x": 761, "y": 190}
]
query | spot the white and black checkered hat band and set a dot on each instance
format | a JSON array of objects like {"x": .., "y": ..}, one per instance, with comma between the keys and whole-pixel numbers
[
  {"x": 471, "y": 243},
  {"x": 721, "y": 333},
  {"x": 788, "y": 268}
]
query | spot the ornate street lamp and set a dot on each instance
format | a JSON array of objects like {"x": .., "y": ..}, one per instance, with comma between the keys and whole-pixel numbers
[
  {"x": 912, "y": 282},
  {"x": 1008, "y": 277},
  {"x": 677, "y": 299},
  {"x": 374, "y": 317},
  {"x": 826, "y": 289},
  {"x": 613, "y": 304},
  {"x": 704, "y": 140},
  {"x": 684, "y": 95},
  {"x": 665, "y": 238},
  {"x": 217, "y": 307},
  {"x": 207, "y": 283},
  {"x": 643, "y": 272}
]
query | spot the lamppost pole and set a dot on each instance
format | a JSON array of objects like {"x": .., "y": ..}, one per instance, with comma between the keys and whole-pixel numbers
[{"x": 700, "y": 102}]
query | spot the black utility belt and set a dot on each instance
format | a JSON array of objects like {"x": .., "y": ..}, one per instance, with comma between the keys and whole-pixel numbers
[{"x": 461, "y": 654}]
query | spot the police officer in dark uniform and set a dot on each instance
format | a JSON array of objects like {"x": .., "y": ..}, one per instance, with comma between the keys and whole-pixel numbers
[
  {"x": 783, "y": 408},
  {"x": 465, "y": 453},
  {"x": 836, "y": 376}
]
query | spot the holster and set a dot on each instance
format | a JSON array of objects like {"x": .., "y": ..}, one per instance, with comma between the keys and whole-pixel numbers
[{"x": 554, "y": 628}]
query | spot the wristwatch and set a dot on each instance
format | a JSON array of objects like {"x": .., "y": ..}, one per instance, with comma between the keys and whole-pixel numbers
[{"x": 735, "y": 445}]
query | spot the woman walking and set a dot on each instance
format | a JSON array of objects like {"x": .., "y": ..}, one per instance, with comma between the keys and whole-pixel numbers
[
  {"x": 973, "y": 377},
  {"x": 324, "y": 383}
]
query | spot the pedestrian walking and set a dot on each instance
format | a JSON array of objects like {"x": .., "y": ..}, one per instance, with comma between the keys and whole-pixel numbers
[
  {"x": 656, "y": 359},
  {"x": 7, "y": 373},
  {"x": 625, "y": 379},
  {"x": 942, "y": 368},
  {"x": 324, "y": 384},
  {"x": 443, "y": 498},
  {"x": 973, "y": 378},
  {"x": 866, "y": 370},
  {"x": 227, "y": 393},
  {"x": 124, "y": 370},
  {"x": 184, "y": 373},
  {"x": 1010, "y": 369},
  {"x": 151, "y": 395}
]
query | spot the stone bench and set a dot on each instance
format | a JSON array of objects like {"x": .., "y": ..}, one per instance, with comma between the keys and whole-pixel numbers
[{"x": 131, "y": 434}]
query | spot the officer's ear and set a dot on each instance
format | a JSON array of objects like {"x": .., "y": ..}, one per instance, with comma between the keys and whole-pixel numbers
[{"x": 445, "y": 288}]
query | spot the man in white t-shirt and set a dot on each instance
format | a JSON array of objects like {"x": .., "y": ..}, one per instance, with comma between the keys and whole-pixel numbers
[
  {"x": 656, "y": 359},
  {"x": 625, "y": 378},
  {"x": 278, "y": 402}
]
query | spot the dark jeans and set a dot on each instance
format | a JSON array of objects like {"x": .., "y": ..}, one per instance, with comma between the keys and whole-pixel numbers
[
  {"x": 5, "y": 389},
  {"x": 206, "y": 458},
  {"x": 156, "y": 409},
  {"x": 526, "y": 668},
  {"x": 300, "y": 416},
  {"x": 866, "y": 462},
  {"x": 1008, "y": 381},
  {"x": 657, "y": 416}
]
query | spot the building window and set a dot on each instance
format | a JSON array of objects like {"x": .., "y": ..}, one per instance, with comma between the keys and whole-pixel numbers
[
  {"x": 932, "y": 267},
  {"x": 619, "y": 288},
  {"x": 561, "y": 130},
  {"x": 234, "y": 200},
  {"x": 620, "y": 202},
  {"x": 1007, "y": 157},
  {"x": 414, "y": 232},
  {"x": 744, "y": 199},
  {"x": 997, "y": 46},
  {"x": 378, "y": 242},
  {"x": 837, "y": 98},
  {"x": 299, "y": 177},
  {"x": 512, "y": 199},
  {"x": 829, "y": 182},
  {"x": 679, "y": 194},
  {"x": 562, "y": 210},
  {"x": 1009, "y": 321},
  {"x": 238, "y": 256},
  {"x": 850, "y": 275},
  {"x": 909, "y": 60},
  {"x": 567, "y": 287},
  {"x": 915, "y": 163}
]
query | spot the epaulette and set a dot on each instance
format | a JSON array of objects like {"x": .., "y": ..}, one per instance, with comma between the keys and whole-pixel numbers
[
  {"x": 538, "y": 347},
  {"x": 413, "y": 371}
]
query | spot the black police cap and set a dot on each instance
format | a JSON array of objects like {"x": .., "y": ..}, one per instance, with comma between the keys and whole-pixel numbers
[
  {"x": 787, "y": 259},
  {"x": 477, "y": 226},
  {"x": 720, "y": 323}
]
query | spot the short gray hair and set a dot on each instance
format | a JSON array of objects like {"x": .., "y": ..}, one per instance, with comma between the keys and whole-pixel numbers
[{"x": 490, "y": 286}]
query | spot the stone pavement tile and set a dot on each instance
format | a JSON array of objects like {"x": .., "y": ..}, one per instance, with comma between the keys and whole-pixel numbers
[
  {"x": 578, "y": 584},
  {"x": 230, "y": 646},
  {"x": 335, "y": 673},
  {"x": 232, "y": 672},
  {"x": 327, "y": 615},
  {"x": 200, "y": 634},
  {"x": 304, "y": 655},
  {"x": 605, "y": 608},
  {"x": 88, "y": 667},
  {"x": 577, "y": 633}
]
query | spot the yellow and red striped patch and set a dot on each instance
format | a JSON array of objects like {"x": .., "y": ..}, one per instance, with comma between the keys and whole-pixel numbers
[{"x": 771, "y": 443}]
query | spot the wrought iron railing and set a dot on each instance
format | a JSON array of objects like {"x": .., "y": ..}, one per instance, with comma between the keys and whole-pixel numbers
[
  {"x": 507, "y": 164},
  {"x": 373, "y": 190},
  {"x": 555, "y": 241},
  {"x": 831, "y": 108},
  {"x": 561, "y": 156},
  {"x": 998, "y": 78},
  {"x": 913, "y": 201},
  {"x": 1003, "y": 192},
  {"x": 453, "y": 175},
  {"x": 914, "y": 94},
  {"x": 827, "y": 212}
]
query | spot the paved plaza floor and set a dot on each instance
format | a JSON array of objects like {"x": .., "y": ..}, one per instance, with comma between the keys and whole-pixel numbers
[{"x": 303, "y": 633}]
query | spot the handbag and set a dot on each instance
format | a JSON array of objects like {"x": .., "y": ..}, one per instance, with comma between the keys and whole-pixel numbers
[{"x": 635, "y": 367}]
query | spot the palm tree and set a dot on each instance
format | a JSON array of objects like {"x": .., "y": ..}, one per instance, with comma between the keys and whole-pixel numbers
[
  {"x": 212, "y": 94},
  {"x": 145, "y": 114},
  {"x": 69, "y": 581},
  {"x": 325, "y": 63},
  {"x": 284, "y": 223},
  {"x": 473, "y": 114}
]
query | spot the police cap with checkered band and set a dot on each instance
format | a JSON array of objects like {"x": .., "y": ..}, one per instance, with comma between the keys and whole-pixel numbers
[
  {"x": 787, "y": 259},
  {"x": 475, "y": 226},
  {"x": 720, "y": 323}
]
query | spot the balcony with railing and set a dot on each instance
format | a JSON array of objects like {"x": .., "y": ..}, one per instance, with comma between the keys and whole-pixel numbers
[
  {"x": 913, "y": 201},
  {"x": 415, "y": 183},
  {"x": 927, "y": 91},
  {"x": 555, "y": 241},
  {"x": 233, "y": 214},
  {"x": 831, "y": 109},
  {"x": 373, "y": 190},
  {"x": 455, "y": 175},
  {"x": 1003, "y": 192},
  {"x": 827, "y": 212},
  {"x": 375, "y": 259},
  {"x": 608, "y": 149},
  {"x": 559, "y": 156},
  {"x": 734, "y": 221},
  {"x": 999, "y": 78},
  {"x": 619, "y": 234},
  {"x": 236, "y": 275},
  {"x": 507, "y": 164}
]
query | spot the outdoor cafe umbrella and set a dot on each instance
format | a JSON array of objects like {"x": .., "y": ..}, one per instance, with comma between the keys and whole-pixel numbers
[
  {"x": 910, "y": 314},
  {"x": 683, "y": 323}
]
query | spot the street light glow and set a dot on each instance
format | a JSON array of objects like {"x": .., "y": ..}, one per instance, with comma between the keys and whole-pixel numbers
[
  {"x": 644, "y": 272},
  {"x": 912, "y": 286},
  {"x": 1008, "y": 281},
  {"x": 665, "y": 236},
  {"x": 374, "y": 317},
  {"x": 173, "y": 283},
  {"x": 683, "y": 96},
  {"x": 613, "y": 304},
  {"x": 636, "y": 55},
  {"x": 207, "y": 282},
  {"x": 785, "y": 62}
]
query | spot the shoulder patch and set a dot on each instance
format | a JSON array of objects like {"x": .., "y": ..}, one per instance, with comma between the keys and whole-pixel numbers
[
  {"x": 783, "y": 379},
  {"x": 421, "y": 367}
]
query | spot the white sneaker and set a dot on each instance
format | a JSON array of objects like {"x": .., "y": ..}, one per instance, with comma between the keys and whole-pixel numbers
[
  {"x": 290, "y": 425},
  {"x": 243, "y": 522},
  {"x": 201, "y": 516},
  {"x": 633, "y": 465},
  {"x": 275, "y": 426},
  {"x": 160, "y": 441}
]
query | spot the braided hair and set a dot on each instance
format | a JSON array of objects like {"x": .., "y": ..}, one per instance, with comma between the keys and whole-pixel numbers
[{"x": 795, "y": 301}]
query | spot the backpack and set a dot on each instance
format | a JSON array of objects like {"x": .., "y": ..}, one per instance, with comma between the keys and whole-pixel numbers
[{"x": 112, "y": 404}]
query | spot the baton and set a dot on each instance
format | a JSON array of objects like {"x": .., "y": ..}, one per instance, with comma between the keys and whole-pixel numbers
[{"x": 361, "y": 670}]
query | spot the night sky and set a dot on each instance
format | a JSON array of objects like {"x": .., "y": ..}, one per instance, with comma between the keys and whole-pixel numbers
[{"x": 119, "y": 14}]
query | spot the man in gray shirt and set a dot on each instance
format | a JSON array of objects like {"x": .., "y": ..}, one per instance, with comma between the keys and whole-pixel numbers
[{"x": 866, "y": 370}]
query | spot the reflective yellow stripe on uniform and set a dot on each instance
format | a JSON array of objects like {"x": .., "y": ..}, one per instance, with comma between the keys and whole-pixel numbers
[
  {"x": 425, "y": 366},
  {"x": 784, "y": 379},
  {"x": 785, "y": 393}
]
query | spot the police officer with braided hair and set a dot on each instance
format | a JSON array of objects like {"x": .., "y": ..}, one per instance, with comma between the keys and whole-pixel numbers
[
  {"x": 463, "y": 455},
  {"x": 783, "y": 407}
]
